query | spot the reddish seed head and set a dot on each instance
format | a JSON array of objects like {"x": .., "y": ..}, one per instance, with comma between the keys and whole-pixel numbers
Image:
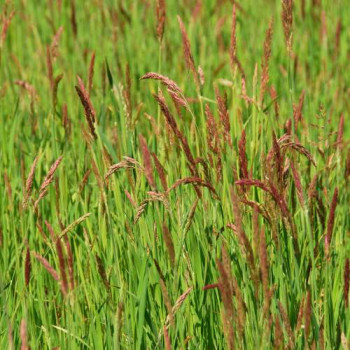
[
  {"x": 265, "y": 62},
  {"x": 187, "y": 51},
  {"x": 24, "y": 335},
  {"x": 287, "y": 22},
  {"x": 27, "y": 267},
  {"x": 147, "y": 162},
  {"x": 91, "y": 72},
  {"x": 340, "y": 132},
  {"x": 331, "y": 218},
  {"x": 161, "y": 16},
  {"x": 346, "y": 282},
  {"x": 243, "y": 162}
]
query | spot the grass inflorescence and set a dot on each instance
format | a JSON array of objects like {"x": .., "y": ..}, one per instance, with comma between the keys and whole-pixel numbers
[{"x": 174, "y": 174}]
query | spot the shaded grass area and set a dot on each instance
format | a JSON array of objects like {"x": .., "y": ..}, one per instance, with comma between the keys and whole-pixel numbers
[{"x": 174, "y": 179}]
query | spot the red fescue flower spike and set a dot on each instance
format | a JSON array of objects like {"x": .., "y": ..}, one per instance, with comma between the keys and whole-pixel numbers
[
  {"x": 147, "y": 162},
  {"x": 171, "y": 121},
  {"x": 187, "y": 51},
  {"x": 62, "y": 264},
  {"x": 224, "y": 117},
  {"x": 24, "y": 335},
  {"x": 233, "y": 44},
  {"x": 169, "y": 244},
  {"x": 170, "y": 84},
  {"x": 297, "y": 182},
  {"x": 265, "y": 63},
  {"x": 49, "y": 67},
  {"x": 287, "y": 22},
  {"x": 29, "y": 182},
  {"x": 307, "y": 314},
  {"x": 5, "y": 27},
  {"x": 161, "y": 16},
  {"x": 226, "y": 292},
  {"x": 47, "y": 181},
  {"x": 27, "y": 267},
  {"x": 91, "y": 72},
  {"x": 297, "y": 115},
  {"x": 47, "y": 266},
  {"x": 287, "y": 325},
  {"x": 330, "y": 224},
  {"x": 166, "y": 339},
  {"x": 70, "y": 264},
  {"x": 243, "y": 163},
  {"x": 340, "y": 133},
  {"x": 88, "y": 108},
  {"x": 160, "y": 171},
  {"x": 346, "y": 282}
]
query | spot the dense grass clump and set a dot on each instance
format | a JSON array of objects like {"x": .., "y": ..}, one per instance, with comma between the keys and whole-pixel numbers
[{"x": 174, "y": 174}]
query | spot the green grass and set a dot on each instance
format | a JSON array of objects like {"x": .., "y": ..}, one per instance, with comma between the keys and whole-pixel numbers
[{"x": 124, "y": 279}]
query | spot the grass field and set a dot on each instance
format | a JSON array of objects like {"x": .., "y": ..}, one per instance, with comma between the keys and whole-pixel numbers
[{"x": 174, "y": 174}]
